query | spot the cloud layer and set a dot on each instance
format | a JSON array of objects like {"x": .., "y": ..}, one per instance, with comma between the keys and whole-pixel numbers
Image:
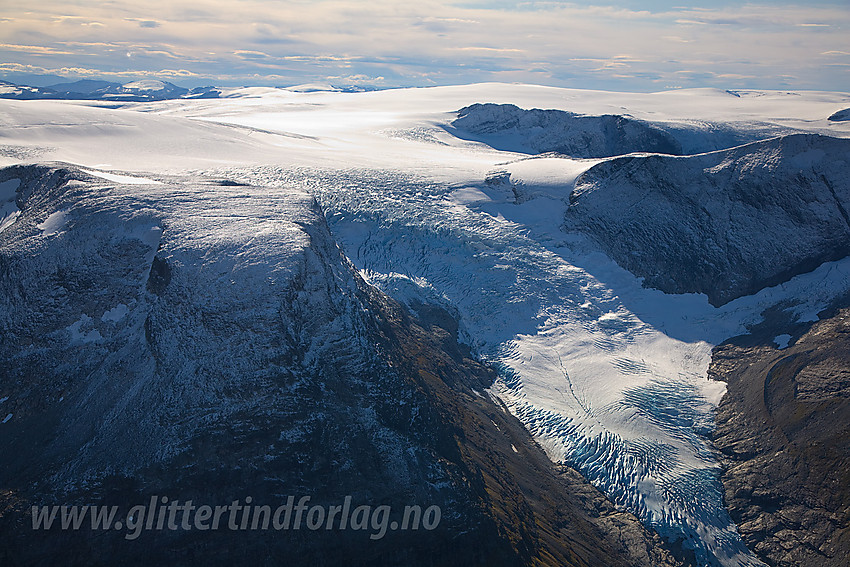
[{"x": 382, "y": 42}]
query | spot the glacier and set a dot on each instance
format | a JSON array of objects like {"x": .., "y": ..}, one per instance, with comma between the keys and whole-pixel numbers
[{"x": 607, "y": 374}]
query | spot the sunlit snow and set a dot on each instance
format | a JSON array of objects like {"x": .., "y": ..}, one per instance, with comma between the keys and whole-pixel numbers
[{"x": 54, "y": 223}]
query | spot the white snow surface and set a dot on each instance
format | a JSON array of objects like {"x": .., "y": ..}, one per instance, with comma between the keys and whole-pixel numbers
[
  {"x": 782, "y": 340},
  {"x": 608, "y": 376},
  {"x": 116, "y": 313},
  {"x": 54, "y": 223},
  {"x": 81, "y": 331},
  {"x": 122, "y": 179},
  {"x": 145, "y": 85}
]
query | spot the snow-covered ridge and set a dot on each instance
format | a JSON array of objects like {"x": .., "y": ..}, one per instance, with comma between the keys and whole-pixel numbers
[
  {"x": 510, "y": 128},
  {"x": 507, "y": 127},
  {"x": 156, "y": 295},
  {"x": 726, "y": 223}
]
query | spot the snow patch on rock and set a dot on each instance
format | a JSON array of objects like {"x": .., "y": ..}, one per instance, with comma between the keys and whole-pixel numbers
[
  {"x": 116, "y": 314},
  {"x": 81, "y": 335},
  {"x": 54, "y": 223},
  {"x": 782, "y": 340}
]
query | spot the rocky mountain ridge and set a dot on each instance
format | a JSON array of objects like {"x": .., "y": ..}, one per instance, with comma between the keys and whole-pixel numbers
[
  {"x": 782, "y": 436},
  {"x": 208, "y": 340}
]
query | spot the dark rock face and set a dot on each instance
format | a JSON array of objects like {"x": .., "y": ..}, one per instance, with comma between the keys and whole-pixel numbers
[
  {"x": 726, "y": 223},
  {"x": 508, "y": 127},
  {"x": 783, "y": 433},
  {"x": 840, "y": 116},
  {"x": 210, "y": 343},
  {"x": 83, "y": 86}
]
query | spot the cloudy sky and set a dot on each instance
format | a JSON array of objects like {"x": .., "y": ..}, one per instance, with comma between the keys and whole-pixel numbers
[{"x": 613, "y": 44}]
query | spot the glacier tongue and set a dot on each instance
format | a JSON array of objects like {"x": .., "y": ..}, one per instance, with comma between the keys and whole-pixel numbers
[{"x": 610, "y": 377}]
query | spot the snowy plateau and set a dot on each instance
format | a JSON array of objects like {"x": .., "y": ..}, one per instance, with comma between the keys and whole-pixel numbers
[{"x": 593, "y": 247}]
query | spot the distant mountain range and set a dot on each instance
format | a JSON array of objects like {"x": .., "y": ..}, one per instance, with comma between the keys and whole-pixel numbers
[
  {"x": 87, "y": 89},
  {"x": 136, "y": 91}
]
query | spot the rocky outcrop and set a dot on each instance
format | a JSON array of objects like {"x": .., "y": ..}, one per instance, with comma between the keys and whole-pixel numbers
[
  {"x": 726, "y": 223},
  {"x": 783, "y": 436},
  {"x": 840, "y": 116},
  {"x": 510, "y": 128}
]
